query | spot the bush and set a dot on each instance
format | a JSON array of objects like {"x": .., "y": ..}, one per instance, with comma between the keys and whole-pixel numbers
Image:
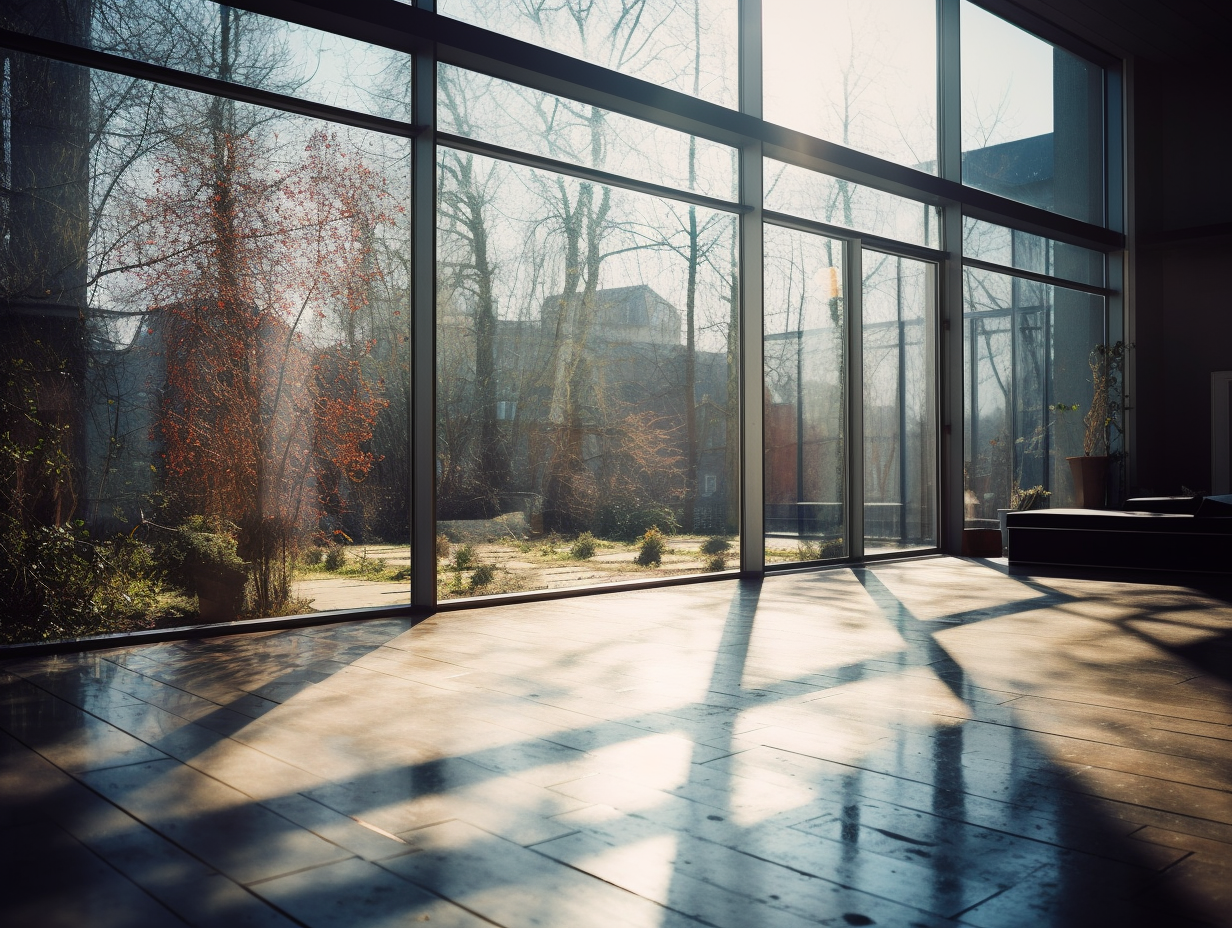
[
  {"x": 313, "y": 556},
  {"x": 442, "y": 547},
  {"x": 583, "y": 547},
  {"x": 819, "y": 550},
  {"x": 482, "y": 575},
  {"x": 627, "y": 521},
  {"x": 464, "y": 557},
  {"x": 201, "y": 548},
  {"x": 715, "y": 545},
  {"x": 717, "y": 561},
  {"x": 651, "y": 546},
  {"x": 335, "y": 557}
]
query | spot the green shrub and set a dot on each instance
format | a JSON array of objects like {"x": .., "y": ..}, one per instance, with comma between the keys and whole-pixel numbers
[
  {"x": 627, "y": 521},
  {"x": 820, "y": 550},
  {"x": 464, "y": 557},
  {"x": 651, "y": 546},
  {"x": 335, "y": 557},
  {"x": 313, "y": 555},
  {"x": 715, "y": 545},
  {"x": 583, "y": 547},
  {"x": 717, "y": 561},
  {"x": 200, "y": 548},
  {"x": 481, "y": 576}
]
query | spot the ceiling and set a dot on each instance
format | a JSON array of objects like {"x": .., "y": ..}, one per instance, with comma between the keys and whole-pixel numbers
[{"x": 1166, "y": 31}]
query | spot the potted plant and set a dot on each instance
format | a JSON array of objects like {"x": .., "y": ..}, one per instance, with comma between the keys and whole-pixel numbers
[
  {"x": 1020, "y": 501},
  {"x": 1091, "y": 469}
]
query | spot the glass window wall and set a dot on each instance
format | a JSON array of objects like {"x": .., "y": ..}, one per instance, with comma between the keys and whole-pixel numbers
[
  {"x": 805, "y": 431},
  {"x": 688, "y": 47},
  {"x": 797, "y": 191},
  {"x": 1028, "y": 388},
  {"x": 1032, "y": 119},
  {"x": 862, "y": 74},
  {"x": 900, "y": 424},
  {"x": 206, "y": 384},
  {"x": 486, "y": 109},
  {"x": 1014, "y": 249},
  {"x": 587, "y": 378},
  {"x": 229, "y": 44}
]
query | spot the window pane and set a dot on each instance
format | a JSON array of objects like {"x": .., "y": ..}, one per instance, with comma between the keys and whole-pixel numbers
[
  {"x": 800, "y": 192},
  {"x": 863, "y": 75},
  {"x": 587, "y": 382},
  {"x": 1014, "y": 249},
  {"x": 688, "y": 47},
  {"x": 487, "y": 109},
  {"x": 1027, "y": 353},
  {"x": 805, "y": 394},
  {"x": 1032, "y": 119},
  {"x": 208, "y": 314},
  {"x": 202, "y": 37},
  {"x": 900, "y": 432}
]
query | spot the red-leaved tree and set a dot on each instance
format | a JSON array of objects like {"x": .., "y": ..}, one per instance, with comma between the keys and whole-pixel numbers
[{"x": 255, "y": 266}]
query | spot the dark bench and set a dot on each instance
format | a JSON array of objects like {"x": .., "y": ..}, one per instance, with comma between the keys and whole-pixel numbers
[{"x": 1159, "y": 538}]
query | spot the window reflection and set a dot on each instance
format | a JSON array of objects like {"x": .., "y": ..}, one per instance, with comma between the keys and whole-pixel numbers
[
  {"x": 206, "y": 367},
  {"x": 1027, "y": 349},
  {"x": 587, "y": 382},
  {"x": 1032, "y": 119},
  {"x": 689, "y": 47},
  {"x": 861, "y": 74},
  {"x": 805, "y": 395}
]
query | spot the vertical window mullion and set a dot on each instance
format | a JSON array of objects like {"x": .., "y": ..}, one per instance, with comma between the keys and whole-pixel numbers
[
  {"x": 752, "y": 356},
  {"x": 423, "y": 331},
  {"x": 949, "y": 318},
  {"x": 854, "y": 298}
]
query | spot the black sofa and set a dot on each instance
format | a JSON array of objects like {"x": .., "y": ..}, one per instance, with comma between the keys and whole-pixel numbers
[{"x": 1162, "y": 533}]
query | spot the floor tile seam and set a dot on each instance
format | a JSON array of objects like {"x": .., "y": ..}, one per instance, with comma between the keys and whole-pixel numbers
[
  {"x": 308, "y": 869},
  {"x": 820, "y": 877},
  {"x": 586, "y": 873},
  {"x": 1157, "y": 809},
  {"x": 217, "y": 739},
  {"x": 1201, "y": 838},
  {"x": 437, "y": 893},
  {"x": 667, "y": 828},
  {"x": 141, "y": 823},
  {"x": 1092, "y": 741},
  {"x": 1225, "y": 790},
  {"x": 922, "y": 783},
  {"x": 209, "y": 866},
  {"x": 174, "y": 686},
  {"x": 1100, "y": 705},
  {"x": 120, "y": 873},
  {"x": 1062, "y": 714}
]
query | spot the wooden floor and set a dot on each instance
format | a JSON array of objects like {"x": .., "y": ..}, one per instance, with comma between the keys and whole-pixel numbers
[{"x": 913, "y": 744}]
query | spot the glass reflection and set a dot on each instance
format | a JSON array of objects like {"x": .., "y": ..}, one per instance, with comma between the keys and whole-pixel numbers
[
  {"x": 1015, "y": 249},
  {"x": 798, "y": 191},
  {"x": 1027, "y": 385},
  {"x": 863, "y": 75},
  {"x": 587, "y": 382},
  {"x": 1032, "y": 119},
  {"x": 900, "y": 447},
  {"x": 206, "y": 363},
  {"x": 487, "y": 109},
  {"x": 229, "y": 44},
  {"x": 805, "y": 394},
  {"x": 688, "y": 47}
]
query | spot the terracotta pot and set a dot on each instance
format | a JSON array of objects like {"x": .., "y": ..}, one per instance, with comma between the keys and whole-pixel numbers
[{"x": 1090, "y": 480}]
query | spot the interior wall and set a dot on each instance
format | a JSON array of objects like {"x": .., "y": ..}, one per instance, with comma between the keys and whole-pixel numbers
[{"x": 1183, "y": 302}]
